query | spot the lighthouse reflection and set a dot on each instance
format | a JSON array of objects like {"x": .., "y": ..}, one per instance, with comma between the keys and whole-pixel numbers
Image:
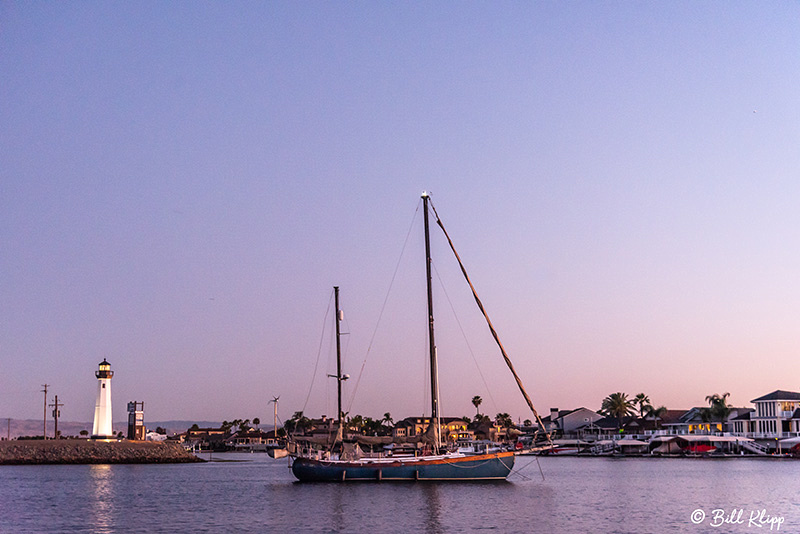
[{"x": 102, "y": 494}]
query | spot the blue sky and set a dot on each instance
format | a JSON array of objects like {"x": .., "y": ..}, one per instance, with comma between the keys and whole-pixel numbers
[{"x": 181, "y": 185}]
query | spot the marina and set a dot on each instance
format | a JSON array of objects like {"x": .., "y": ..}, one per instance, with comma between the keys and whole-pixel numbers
[{"x": 242, "y": 492}]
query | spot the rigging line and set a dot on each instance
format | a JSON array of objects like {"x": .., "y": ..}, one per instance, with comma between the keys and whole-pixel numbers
[
  {"x": 491, "y": 328},
  {"x": 536, "y": 459},
  {"x": 383, "y": 307},
  {"x": 463, "y": 333},
  {"x": 319, "y": 352}
]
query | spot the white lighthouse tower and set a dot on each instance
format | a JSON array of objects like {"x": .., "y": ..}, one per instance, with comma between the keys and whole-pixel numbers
[{"x": 102, "y": 408}]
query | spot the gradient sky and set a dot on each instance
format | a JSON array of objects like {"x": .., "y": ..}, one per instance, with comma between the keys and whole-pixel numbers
[{"x": 181, "y": 185}]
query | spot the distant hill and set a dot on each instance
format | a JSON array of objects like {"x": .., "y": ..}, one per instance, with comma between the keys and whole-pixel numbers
[{"x": 32, "y": 427}]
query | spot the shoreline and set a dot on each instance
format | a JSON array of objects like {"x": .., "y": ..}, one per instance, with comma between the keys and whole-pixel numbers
[{"x": 79, "y": 451}]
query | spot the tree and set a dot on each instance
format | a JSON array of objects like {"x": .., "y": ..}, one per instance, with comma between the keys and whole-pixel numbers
[
  {"x": 480, "y": 419},
  {"x": 504, "y": 420},
  {"x": 387, "y": 418},
  {"x": 476, "y": 401},
  {"x": 298, "y": 421},
  {"x": 374, "y": 427},
  {"x": 719, "y": 408},
  {"x": 161, "y": 430},
  {"x": 656, "y": 413},
  {"x": 256, "y": 421},
  {"x": 527, "y": 422},
  {"x": 643, "y": 402},
  {"x": 617, "y": 405},
  {"x": 356, "y": 422},
  {"x": 195, "y": 426}
]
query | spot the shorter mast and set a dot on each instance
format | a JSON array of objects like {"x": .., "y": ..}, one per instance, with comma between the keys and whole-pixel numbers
[{"x": 338, "y": 376}]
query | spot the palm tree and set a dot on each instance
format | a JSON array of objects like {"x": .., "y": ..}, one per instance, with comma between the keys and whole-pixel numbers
[
  {"x": 617, "y": 405},
  {"x": 656, "y": 413},
  {"x": 356, "y": 423},
  {"x": 504, "y": 420},
  {"x": 643, "y": 402},
  {"x": 719, "y": 407},
  {"x": 476, "y": 401},
  {"x": 298, "y": 421},
  {"x": 387, "y": 418}
]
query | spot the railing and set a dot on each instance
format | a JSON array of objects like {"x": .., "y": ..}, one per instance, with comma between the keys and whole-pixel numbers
[{"x": 757, "y": 448}]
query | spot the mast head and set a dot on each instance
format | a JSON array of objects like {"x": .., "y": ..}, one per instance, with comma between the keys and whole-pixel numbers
[{"x": 425, "y": 194}]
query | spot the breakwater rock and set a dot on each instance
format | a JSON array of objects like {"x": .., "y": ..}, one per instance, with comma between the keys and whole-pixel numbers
[{"x": 80, "y": 451}]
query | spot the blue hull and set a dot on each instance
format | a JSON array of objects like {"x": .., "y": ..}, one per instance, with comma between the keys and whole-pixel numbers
[{"x": 483, "y": 467}]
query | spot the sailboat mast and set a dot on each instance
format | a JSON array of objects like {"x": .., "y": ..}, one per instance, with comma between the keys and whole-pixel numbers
[
  {"x": 338, "y": 355},
  {"x": 431, "y": 342}
]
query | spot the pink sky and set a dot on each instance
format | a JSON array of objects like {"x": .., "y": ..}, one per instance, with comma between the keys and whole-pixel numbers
[{"x": 182, "y": 187}]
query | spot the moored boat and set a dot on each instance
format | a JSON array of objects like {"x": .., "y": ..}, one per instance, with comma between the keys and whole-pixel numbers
[
  {"x": 449, "y": 466},
  {"x": 342, "y": 461}
]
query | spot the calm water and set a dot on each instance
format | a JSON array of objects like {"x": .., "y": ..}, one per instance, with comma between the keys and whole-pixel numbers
[{"x": 259, "y": 494}]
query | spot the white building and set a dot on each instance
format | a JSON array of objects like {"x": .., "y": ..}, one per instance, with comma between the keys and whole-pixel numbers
[
  {"x": 777, "y": 415},
  {"x": 570, "y": 421},
  {"x": 101, "y": 429}
]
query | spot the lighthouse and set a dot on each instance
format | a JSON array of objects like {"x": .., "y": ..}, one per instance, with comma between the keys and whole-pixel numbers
[{"x": 102, "y": 408}]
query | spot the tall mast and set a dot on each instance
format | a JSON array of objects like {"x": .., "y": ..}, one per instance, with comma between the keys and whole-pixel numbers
[{"x": 431, "y": 342}]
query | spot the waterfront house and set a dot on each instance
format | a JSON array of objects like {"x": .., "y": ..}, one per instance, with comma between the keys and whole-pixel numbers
[
  {"x": 453, "y": 428},
  {"x": 693, "y": 421},
  {"x": 323, "y": 426},
  {"x": 698, "y": 421},
  {"x": 249, "y": 439},
  {"x": 570, "y": 422},
  {"x": 777, "y": 414},
  {"x": 272, "y": 438},
  {"x": 207, "y": 438},
  {"x": 629, "y": 424},
  {"x": 743, "y": 424},
  {"x": 665, "y": 422}
]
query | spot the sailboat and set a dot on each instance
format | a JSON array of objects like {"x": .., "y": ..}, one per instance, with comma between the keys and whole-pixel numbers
[{"x": 349, "y": 463}]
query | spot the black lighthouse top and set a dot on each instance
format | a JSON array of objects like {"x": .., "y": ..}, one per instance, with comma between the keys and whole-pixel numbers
[{"x": 105, "y": 370}]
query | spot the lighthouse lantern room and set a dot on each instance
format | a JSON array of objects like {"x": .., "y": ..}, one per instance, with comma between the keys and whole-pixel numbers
[{"x": 102, "y": 408}]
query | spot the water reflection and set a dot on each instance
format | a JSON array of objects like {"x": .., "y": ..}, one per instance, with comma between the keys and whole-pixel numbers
[
  {"x": 338, "y": 512},
  {"x": 101, "y": 505},
  {"x": 433, "y": 509}
]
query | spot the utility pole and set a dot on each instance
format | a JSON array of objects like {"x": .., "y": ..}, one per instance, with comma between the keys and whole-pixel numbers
[
  {"x": 44, "y": 430},
  {"x": 8, "y": 436},
  {"x": 56, "y": 412}
]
